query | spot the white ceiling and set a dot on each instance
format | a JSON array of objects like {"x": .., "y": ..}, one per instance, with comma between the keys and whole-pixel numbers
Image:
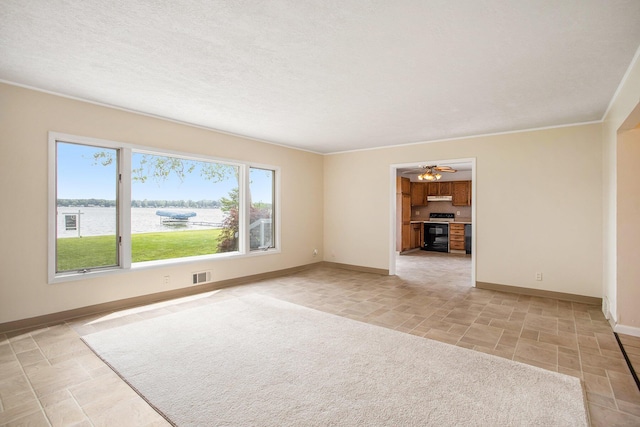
[{"x": 330, "y": 76}]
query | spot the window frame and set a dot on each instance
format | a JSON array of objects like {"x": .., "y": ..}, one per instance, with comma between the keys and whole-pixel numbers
[
  {"x": 274, "y": 208},
  {"x": 123, "y": 206}
]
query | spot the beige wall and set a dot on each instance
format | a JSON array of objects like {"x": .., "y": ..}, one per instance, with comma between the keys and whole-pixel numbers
[
  {"x": 27, "y": 116},
  {"x": 623, "y": 115},
  {"x": 538, "y": 200},
  {"x": 628, "y": 214},
  {"x": 544, "y": 216}
]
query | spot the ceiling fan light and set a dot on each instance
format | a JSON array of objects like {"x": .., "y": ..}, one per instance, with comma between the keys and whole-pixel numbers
[{"x": 438, "y": 176}]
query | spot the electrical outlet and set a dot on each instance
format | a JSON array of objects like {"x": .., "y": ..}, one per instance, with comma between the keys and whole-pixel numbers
[
  {"x": 539, "y": 276},
  {"x": 417, "y": 212},
  {"x": 458, "y": 213},
  {"x": 165, "y": 280},
  {"x": 315, "y": 252}
]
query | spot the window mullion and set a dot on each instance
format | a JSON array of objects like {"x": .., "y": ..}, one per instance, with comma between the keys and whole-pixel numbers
[
  {"x": 124, "y": 208},
  {"x": 245, "y": 202}
]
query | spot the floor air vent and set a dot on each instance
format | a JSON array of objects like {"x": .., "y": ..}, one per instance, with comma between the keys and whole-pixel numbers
[{"x": 201, "y": 277}]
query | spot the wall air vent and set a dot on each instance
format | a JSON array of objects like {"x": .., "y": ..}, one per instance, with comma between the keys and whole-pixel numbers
[{"x": 201, "y": 277}]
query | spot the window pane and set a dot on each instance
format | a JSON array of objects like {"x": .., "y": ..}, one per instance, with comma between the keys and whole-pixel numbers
[
  {"x": 182, "y": 207},
  {"x": 86, "y": 192},
  {"x": 261, "y": 224}
]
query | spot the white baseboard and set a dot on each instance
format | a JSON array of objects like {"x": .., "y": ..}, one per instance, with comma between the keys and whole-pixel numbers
[{"x": 627, "y": 330}]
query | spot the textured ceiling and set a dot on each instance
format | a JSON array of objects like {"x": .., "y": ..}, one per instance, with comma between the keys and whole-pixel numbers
[{"x": 330, "y": 76}]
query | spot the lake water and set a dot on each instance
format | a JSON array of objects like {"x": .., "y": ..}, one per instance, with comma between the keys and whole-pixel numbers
[{"x": 97, "y": 221}]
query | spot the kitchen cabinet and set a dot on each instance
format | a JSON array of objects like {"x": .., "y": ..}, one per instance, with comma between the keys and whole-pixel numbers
[
  {"x": 432, "y": 188},
  {"x": 456, "y": 237},
  {"x": 403, "y": 214},
  {"x": 461, "y": 192},
  {"x": 438, "y": 188},
  {"x": 403, "y": 185},
  {"x": 444, "y": 189},
  {"x": 416, "y": 235},
  {"x": 406, "y": 222},
  {"x": 418, "y": 194}
]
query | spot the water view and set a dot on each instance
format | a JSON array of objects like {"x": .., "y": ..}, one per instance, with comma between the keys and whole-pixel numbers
[{"x": 99, "y": 221}]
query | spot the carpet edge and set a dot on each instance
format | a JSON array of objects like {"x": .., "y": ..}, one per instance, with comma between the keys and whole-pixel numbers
[{"x": 134, "y": 388}]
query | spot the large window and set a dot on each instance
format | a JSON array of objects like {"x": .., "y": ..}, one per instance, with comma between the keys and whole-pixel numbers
[{"x": 117, "y": 206}]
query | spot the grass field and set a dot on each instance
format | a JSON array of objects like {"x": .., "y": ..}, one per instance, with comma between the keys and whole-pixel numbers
[{"x": 100, "y": 251}]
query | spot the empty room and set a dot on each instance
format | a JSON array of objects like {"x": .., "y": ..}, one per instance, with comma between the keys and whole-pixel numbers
[{"x": 355, "y": 213}]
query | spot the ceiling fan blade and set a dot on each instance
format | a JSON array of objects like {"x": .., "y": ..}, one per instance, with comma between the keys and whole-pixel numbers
[{"x": 444, "y": 169}]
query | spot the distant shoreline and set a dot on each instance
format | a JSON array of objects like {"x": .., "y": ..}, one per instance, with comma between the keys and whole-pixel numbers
[{"x": 145, "y": 203}]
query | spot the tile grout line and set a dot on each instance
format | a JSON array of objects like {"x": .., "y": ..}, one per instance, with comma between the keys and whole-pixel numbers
[
  {"x": 626, "y": 358},
  {"x": 582, "y": 379},
  {"x": 33, "y": 390},
  {"x": 88, "y": 418},
  {"x": 515, "y": 349}
]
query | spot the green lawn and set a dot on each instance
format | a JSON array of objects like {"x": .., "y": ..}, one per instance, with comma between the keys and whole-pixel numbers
[{"x": 100, "y": 251}]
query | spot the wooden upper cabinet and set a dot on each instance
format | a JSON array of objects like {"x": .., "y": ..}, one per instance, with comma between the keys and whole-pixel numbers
[
  {"x": 403, "y": 185},
  {"x": 406, "y": 185},
  {"x": 444, "y": 189},
  {"x": 418, "y": 196},
  {"x": 461, "y": 192},
  {"x": 438, "y": 188},
  {"x": 406, "y": 208}
]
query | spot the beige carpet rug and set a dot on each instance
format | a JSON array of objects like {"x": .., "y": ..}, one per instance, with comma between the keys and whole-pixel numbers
[{"x": 258, "y": 361}]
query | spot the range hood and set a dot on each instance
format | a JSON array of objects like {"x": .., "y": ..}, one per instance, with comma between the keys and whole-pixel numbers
[{"x": 439, "y": 198}]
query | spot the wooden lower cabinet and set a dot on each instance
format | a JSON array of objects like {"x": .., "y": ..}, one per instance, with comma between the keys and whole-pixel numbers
[
  {"x": 416, "y": 235},
  {"x": 403, "y": 214},
  {"x": 406, "y": 237},
  {"x": 456, "y": 237}
]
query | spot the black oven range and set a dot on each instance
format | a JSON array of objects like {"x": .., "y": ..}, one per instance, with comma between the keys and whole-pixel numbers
[{"x": 436, "y": 232}]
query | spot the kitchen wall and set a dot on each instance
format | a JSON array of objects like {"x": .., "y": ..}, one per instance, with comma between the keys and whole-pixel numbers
[
  {"x": 628, "y": 214},
  {"x": 538, "y": 205},
  {"x": 620, "y": 297},
  {"x": 26, "y": 117},
  {"x": 421, "y": 213}
]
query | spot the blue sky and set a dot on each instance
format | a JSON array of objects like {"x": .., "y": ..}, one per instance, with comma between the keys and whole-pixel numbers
[{"x": 80, "y": 177}]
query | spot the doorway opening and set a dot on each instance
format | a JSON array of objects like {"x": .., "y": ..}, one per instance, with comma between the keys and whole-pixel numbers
[{"x": 433, "y": 229}]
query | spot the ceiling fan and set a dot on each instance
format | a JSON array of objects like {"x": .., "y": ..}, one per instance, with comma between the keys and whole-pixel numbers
[{"x": 430, "y": 172}]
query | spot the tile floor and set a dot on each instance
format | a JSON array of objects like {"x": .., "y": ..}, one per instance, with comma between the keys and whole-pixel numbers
[
  {"x": 632, "y": 348},
  {"x": 49, "y": 377}
]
